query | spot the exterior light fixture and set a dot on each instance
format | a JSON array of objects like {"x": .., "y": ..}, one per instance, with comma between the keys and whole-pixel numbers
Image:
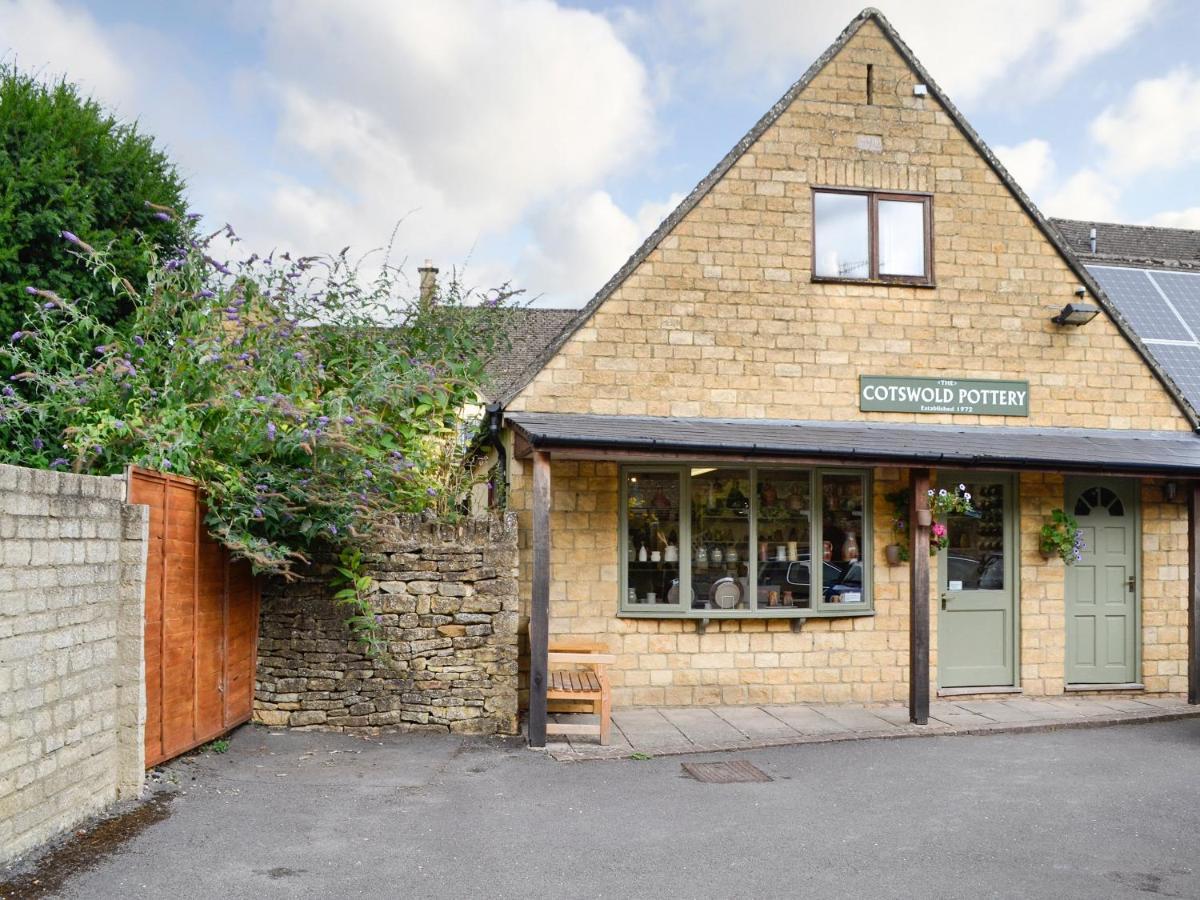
[
  {"x": 1076, "y": 314},
  {"x": 1170, "y": 490}
]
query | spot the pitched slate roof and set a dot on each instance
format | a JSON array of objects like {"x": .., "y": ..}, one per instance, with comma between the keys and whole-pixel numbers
[
  {"x": 698, "y": 193},
  {"x": 883, "y": 443},
  {"x": 530, "y": 331},
  {"x": 1142, "y": 245}
]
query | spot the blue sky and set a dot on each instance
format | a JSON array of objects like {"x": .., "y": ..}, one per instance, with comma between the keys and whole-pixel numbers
[{"x": 539, "y": 142}]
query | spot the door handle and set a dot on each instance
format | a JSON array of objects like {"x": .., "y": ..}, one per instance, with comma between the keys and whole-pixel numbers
[
  {"x": 1131, "y": 583},
  {"x": 945, "y": 597}
]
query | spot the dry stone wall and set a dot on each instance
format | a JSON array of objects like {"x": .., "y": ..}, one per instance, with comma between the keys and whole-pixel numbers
[
  {"x": 448, "y": 610},
  {"x": 72, "y": 705}
]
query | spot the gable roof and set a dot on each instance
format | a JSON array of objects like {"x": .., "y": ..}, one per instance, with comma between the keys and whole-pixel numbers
[
  {"x": 1142, "y": 245},
  {"x": 772, "y": 115},
  {"x": 530, "y": 331}
]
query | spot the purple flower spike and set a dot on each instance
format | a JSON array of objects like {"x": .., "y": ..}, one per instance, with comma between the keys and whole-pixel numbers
[
  {"x": 101, "y": 350},
  {"x": 260, "y": 399},
  {"x": 8, "y": 391},
  {"x": 68, "y": 236},
  {"x": 349, "y": 420},
  {"x": 333, "y": 529},
  {"x": 17, "y": 335},
  {"x": 137, "y": 339},
  {"x": 30, "y": 289},
  {"x": 58, "y": 463},
  {"x": 270, "y": 431},
  {"x": 432, "y": 492},
  {"x": 49, "y": 305},
  {"x": 162, "y": 217},
  {"x": 258, "y": 513},
  {"x": 38, "y": 444}
]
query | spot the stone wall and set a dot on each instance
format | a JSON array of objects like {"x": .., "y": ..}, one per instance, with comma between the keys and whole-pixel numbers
[
  {"x": 864, "y": 659},
  {"x": 724, "y": 319},
  {"x": 448, "y": 608},
  {"x": 72, "y": 705}
]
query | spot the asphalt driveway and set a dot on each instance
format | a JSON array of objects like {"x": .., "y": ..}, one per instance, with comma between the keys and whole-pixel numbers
[{"x": 1110, "y": 812}]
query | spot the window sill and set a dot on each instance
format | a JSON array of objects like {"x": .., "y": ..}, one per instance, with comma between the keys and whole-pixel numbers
[
  {"x": 1130, "y": 686},
  {"x": 744, "y": 614},
  {"x": 873, "y": 282}
]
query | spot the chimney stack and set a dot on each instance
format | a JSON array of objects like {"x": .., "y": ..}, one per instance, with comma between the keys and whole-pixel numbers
[{"x": 429, "y": 273}]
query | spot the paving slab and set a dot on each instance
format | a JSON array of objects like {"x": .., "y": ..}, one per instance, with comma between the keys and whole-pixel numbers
[
  {"x": 996, "y": 711},
  {"x": 957, "y": 716},
  {"x": 755, "y": 723},
  {"x": 804, "y": 719},
  {"x": 683, "y": 730},
  {"x": 648, "y": 729},
  {"x": 856, "y": 719},
  {"x": 701, "y": 725}
]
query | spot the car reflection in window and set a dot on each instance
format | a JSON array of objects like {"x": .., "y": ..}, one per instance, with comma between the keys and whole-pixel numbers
[{"x": 986, "y": 574}]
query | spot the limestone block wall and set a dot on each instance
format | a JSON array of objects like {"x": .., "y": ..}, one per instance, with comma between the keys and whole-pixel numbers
[
  {"x": 447, "y": 609},
  {"x": 667, "y": 662},
  {"x": 724, "y": 319},
  {"x": 72, "y": 703}
]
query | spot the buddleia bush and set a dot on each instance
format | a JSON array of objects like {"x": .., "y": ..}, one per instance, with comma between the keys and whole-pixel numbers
[{"x": 310, "y": 402}]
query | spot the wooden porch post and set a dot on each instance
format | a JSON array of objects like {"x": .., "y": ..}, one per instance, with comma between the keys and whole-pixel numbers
[
  {"x": 1193, "y": 618},
  {"x": 539, "y": 611},
  {"x": 918, "y": 611}
]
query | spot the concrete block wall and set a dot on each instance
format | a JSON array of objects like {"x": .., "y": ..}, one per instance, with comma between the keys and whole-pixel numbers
[{"x": 72, "y": 599}]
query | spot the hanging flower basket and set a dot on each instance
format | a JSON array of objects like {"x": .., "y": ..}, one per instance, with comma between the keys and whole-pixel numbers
[
  {"x": 1061, "y": 537},
  {"x": 943, "y": 503}
]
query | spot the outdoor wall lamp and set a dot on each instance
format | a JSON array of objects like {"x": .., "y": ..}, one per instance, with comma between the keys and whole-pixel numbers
[{"x": 1076, "y": 314}]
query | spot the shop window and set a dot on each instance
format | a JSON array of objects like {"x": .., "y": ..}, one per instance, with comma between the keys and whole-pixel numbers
[
  {"x": 711, "y": 541},
  {"x": 871, "y": 236}
]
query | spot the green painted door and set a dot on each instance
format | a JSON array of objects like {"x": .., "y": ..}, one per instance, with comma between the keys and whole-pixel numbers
[
  {"x": 977, "y": 582},
  {"x": 1102, "y": 600}
]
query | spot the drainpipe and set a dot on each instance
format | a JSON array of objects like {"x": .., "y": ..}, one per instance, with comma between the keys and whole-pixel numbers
[
  {"x": 1092, "y": 240},
  {"x": 495, "y": 416}
]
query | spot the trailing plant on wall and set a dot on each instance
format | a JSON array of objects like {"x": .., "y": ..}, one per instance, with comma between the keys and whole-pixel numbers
[
  {"x": 1062, "y": 537},
  {"x": 899, "y": 500},
  {"x": 308, "y": 401}
]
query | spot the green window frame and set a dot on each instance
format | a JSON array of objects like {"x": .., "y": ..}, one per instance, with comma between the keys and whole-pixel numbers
[{"x": 659, "y": 506}]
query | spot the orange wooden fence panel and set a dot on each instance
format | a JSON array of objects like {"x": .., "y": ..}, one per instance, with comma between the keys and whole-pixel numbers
[{"x": 201, "y": 622}]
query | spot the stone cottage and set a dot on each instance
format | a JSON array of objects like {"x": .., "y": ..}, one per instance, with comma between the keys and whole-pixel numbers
[{"x": 722, "y": 464}]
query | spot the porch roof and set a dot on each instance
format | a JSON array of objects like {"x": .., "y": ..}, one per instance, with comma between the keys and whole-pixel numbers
[{"x": 860, "y": 443}]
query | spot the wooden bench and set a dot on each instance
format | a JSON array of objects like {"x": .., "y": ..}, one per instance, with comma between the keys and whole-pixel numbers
[{"x": 585, "y": 682}]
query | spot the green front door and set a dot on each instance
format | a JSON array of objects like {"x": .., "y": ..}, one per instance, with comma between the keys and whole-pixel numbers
[
  {"x": 1102, "y": 613},
  {"x": 977, "y": 586}
]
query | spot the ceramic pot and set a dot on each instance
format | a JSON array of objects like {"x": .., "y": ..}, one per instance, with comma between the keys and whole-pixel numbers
[
  {"x": 892, "y": 552},
  {"x": 924, "y": 517}
]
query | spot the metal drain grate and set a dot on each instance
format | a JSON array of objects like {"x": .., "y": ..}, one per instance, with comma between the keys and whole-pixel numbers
[{"x": 725, "y": 772}]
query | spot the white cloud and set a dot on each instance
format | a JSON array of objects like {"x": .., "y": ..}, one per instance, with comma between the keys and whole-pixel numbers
[
  {"x": 968, "y": 47},
  {"x": 1031, "y": 163},
  {"x": 581, "y": 242},
  {"x": 1179, "y": 218},
  {"x": 42, "y": 36},
  {"x": 1156, "y": 127},
  {"x": 464, "y": 119},
  {"x": 1087, "y": 194}
]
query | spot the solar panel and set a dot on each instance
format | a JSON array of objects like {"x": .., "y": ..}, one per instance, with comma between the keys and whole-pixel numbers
[
  {"x": 1164, "y": 310},
  {"x": 1140, "y": 303},
  {"x": 1183, "y": 290},
  {"x": 1182, "y": 363}
]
